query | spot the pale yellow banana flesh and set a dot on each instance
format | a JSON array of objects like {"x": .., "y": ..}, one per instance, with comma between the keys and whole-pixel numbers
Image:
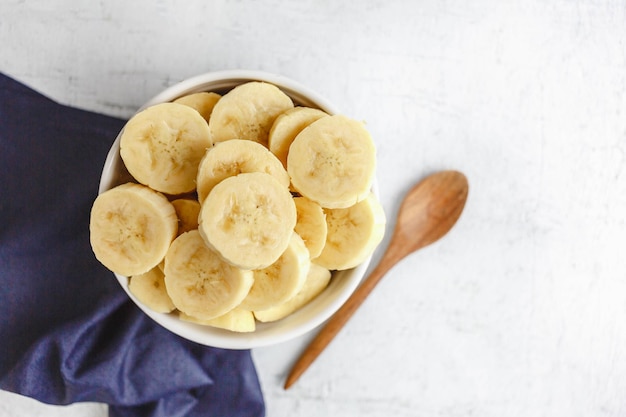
[
  {"x": 131, "y": 228},
  {"x": 149, "y": 288},
  {"x": 280, "y": 281},
  {"x": 287, "y": 126},
  {"x": 236, "y": 320},
  {"x": 235, "y": 251},
  {"x": 162, "y": 145},
  {"x": 311, "y": 225},
  {"x": 234, "y": 157},
  {"x": 199, "y": 282},
  {"x": 187, "y": 211},
  {"x": 248, "y": 112},
  {"x": 202, "y": 102},
  {"x": 316, "y": 281},
  {"x": 332, "y": 162},
  {"x": 353, "y": 234},
  {"x": 248, "y": 219}
]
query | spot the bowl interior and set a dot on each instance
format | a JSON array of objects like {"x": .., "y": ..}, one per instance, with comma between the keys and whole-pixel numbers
[{"x": 313, "y": 314}]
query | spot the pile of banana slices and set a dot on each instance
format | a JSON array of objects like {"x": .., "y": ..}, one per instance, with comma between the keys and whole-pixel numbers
[{"x": 243, "y": 206}]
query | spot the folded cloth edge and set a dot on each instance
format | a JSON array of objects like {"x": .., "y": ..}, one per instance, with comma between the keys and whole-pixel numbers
[{"x": 206, "y": 374}]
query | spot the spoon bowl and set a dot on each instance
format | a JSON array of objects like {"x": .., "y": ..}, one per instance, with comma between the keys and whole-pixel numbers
[{"x": 428, "y": 212}]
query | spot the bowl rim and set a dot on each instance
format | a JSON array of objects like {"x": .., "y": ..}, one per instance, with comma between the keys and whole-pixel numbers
[{"x": 320, "y": 309}]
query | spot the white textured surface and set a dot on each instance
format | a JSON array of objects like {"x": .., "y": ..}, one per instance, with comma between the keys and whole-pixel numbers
[{"x": 521, "y": 310}]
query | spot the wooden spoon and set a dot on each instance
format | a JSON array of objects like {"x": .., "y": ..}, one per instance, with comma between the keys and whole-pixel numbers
[{"x": 428, "y": 212}]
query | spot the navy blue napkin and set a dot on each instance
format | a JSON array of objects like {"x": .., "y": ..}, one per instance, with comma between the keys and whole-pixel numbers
[{"x": 68, "y": 332}]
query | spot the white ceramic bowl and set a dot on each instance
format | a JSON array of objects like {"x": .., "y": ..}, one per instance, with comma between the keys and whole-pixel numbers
[{"x": 317, "y": 311}]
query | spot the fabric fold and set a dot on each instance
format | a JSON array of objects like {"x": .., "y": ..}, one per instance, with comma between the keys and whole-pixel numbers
[{"x": 69, "y": 332}]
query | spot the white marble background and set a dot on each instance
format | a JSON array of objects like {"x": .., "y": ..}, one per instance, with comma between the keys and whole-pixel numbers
[{"x": 521, "y": 310}]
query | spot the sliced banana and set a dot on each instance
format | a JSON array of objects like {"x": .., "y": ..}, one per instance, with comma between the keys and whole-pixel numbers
[
  {"x": 353, "y": 234},
  {"x": 233, "y": 157},
  {"x": 199, "y": 282},
  {"x": 236, "y": 320},
  {"x": 287, "y": 126},
  {"x": 311, "y": 225},
  {"x": 149, "y": 288},
  {"x": 162, "y": 145},
  {"x": 202, "y": 102},
  {"x": 280, "y": 281},
  {"x": 316, "y": 281},
  {"x": 332, "y": 162},
  {"x": 248, "y": 219},
  {"x": 187, "y": 211},
  {"x": 248, "y": 112},
  {"x": 131, "y": 227}
]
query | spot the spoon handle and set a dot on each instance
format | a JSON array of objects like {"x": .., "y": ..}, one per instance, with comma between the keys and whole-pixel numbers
[
  {"x": 427, "y": 213},
  {"x": 336, "y": 322}
]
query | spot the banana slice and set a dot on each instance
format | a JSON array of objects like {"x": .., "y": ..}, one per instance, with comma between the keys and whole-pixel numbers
[
  {"x": 236, "y": 320},
  {"x": 162, "y": 145},
  {"x": 233, "y": 157},
  {"x": 161, "y": 265},
  {"x": 202, "y": 102},
  {"x": 187, "y": 211},
  {"x": 149, "y": 288},
  {"x": 248, "y": 112},
  {"x": 287, "y": 126},
  {"x": 311, "y": 225},
  {"x": 131, "y": 227},
  {"x": 199, "y": 282},
  {"x": 248, "y": 219},
  {"x": 353, "y": 234},
  {"x": 280, "y": 281},
  {"x": 316, "y": 281},
  {"x": 332, "y": 162}
]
